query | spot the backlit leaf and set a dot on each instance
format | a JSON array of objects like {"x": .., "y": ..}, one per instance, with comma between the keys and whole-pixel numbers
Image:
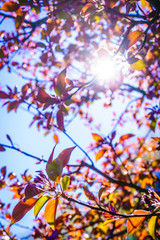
[
  {"x": 134, "y": 222},
  {"x": 21, "y": 209},
  {"x": 65, "y": 155},
  {"x": 126, "y": 136},
  {"x": 133, "y": 37},
  {"x": 152, "y": 226},
  {"x": 51, "y": 156},
  {"x": 99, "y": 154},
  {"x": 50, "y": 212},
  {"x": 54, "y": 169},
  {"x": 10, "y": 6},
  {"x": 97, "y": 137},
  {"x": 65, "y": 181},
  {"x": 87, "y": 9},
  {"x": 39, "y": 204},
  {"x": 61, "y": 84},
  {"x": 139, "y": 65},
  {"x": 31, "y": 190},
  {"x": 42, "y": 96},
  {"x": 88, "y": 194},
  {"x": 101, "y": 191}
]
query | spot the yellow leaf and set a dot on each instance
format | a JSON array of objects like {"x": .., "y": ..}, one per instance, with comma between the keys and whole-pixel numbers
[
  {"x": 143, "y": 3},
  {"x": 134, "y": 222},
  {"x": 39, "y": 204},
  {"x": 152, "y": 226},
  {"x": 50, "y": 212},
  {"x": 139, "y": 65}
]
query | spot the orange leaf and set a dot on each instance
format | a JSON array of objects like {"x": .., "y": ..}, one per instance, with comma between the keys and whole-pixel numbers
[
  {"x": 126, "y": 136},
  {"x": 97, "y": 137},
  {"x": 87, "y": 9},
  {"x": 134, "y": 222},
  {"x": 21, "y": 209},
  {"x": 50, "y": 212},
  {"x": 100, "y": 154},
  {"x": 65, "y": 155},
  {"x": 56, "y": 138},
  {"x": 10, "y": 6},
  {"x": 133, "y": 37},
  {"x": 88, "y": 194}
]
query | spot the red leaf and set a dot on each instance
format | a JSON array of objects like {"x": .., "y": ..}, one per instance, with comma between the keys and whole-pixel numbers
[
  {"x": 31, "y": 190},
  {"x": 60, "y": 120},
  {"x": 51, "y": 156},
  {"x": 42, "y": 96},
  {"x": 3, "y": 171},
  {"x": 21, "y": 209},
  {"x": 89, "y": 194},
  {"x": 13, "y": 106},
  {"x": 65, "y": 155},
  {"x": 3, "y": 95},
  {"x": 2, "y": 148}
]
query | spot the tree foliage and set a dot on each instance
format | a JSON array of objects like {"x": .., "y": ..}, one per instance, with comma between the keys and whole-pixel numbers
[{"x": 59, "y": 49}]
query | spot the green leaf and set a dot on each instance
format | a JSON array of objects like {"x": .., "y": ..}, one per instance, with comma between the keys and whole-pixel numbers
[
  {"x": 65, "y": 181},
  {"x": 54, "y": 169},
  {"x": 63, "y": 15},
  {"x": 139, "y": 65},
  {"x": 152, "y": 226},
  {"x": 39, "y": 204}
]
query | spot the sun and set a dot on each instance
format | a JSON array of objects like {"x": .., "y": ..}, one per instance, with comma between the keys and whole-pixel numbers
[{"x": 107, "y": 69}]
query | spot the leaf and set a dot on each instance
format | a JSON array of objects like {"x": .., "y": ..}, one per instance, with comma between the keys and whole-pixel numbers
[
  {"x": 10, "y": 6},
  {"x": 60, "y": 84},
  {"x": 60, "y": 120},
  {"x": 152, "y": 226},
  {"x": 87, "y": 9},
  {"x": 101, "y": 191},
  {"x": 1, "y": 53},
  {"x": 100, "y": 154},
  {"x": 139, "y": 65},
  {"x": 130, "y": 40},
  {"x": 51, "y": 156},
  {"x": 3, "y": 171},
  {"x": 31, "y": 190},
  {"x": 126, "y": 136},
  {"x": 39, "y": 204},
  {"x": 54, "y": 169},
  {"x": 63, "y": 15},
  {"x": 65, "y": 155},
  {"x": 13, "y": 106},
  {"x": 50, "y": 212},
  {"x": 50, "y": 25},
  {"x": 65, "y": 181},
  {"x": 89, "y": 194},
  {"x": 21, "y": 209},
  {"x": 134, "y": 222},
  {"x": 3, "y": 95},
  {"x": 97, "y": 137},
  {"x": 42, "y": 96},
  {"x": 2, "y": 148}
]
